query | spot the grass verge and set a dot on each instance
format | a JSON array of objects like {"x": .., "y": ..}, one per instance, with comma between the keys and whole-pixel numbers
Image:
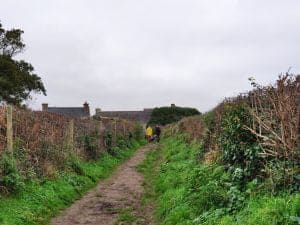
[{"x": 38, "y": 202}]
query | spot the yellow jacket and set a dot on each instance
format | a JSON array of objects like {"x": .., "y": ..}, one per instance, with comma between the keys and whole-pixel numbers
[{"x": 149, "y": 131}]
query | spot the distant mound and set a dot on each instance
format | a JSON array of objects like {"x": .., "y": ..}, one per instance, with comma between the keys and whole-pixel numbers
[{"x": 167, "y": 115}]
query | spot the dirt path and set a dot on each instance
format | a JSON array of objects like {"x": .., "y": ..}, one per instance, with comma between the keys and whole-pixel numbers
[{"x": 117, "y": 197}]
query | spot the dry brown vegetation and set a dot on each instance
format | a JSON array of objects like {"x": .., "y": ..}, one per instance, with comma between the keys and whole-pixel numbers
[
  {"x": 193, "y": 126},
  {"x": 44, "y": 136},
  {"x": 276, "y": 117}
]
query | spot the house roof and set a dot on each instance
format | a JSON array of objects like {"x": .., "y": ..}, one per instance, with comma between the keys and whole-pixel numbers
[
  {"x": 70, "y": 111},
  {"x": 141, "y": 116}
]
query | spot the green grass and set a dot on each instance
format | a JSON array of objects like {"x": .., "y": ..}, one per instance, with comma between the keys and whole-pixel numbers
[
  {"x": 188, "y": 192},
  {"x": 165, "y": 176},
  {"x": 148, "y": 167},
  {"x": 39, "y": 202},
  {"x": 261, "y": 210}
]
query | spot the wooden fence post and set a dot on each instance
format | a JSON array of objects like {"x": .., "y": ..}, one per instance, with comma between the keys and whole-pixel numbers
[
  {"x": 124, "y": 128},
  {"x": 9, "y": 128},
  {"x": 71, "y": 135},
  {"x": 101, "y": 129},
  {"x": 115, "y": 130},
  {"x": 100, "y": 134}
]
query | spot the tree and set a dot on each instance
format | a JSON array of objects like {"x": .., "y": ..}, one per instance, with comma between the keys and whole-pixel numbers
[
  {"x": 17, "y": 77},
  {"x": 167, "y": 115}
]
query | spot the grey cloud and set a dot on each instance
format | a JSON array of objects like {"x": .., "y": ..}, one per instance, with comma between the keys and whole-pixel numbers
[{"x": 126, "y": 54}]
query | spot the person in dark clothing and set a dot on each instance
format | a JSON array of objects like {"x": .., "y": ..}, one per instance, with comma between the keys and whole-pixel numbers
[{"x": 157, "y": 132}]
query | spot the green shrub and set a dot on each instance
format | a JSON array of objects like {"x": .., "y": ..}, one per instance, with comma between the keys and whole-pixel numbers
[
  {"x": 167, "y": 115},
  {"x": 122, "y": 143},
  {"x": 240, "y": 150},
  {"x": 281, "y": 175},
  {"x": 10, "y": 179}
]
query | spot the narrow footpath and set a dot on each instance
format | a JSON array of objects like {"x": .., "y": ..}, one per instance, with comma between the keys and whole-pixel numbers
[{"x": 104, "y": 205}]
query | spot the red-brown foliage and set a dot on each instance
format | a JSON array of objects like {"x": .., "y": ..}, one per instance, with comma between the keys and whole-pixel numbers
[{"x": 44, "y": 135}]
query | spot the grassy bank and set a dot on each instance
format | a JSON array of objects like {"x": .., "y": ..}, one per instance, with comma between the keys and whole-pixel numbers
[
  {"x": 40, "y": 200},
  {"x": 187, "y": 191}
]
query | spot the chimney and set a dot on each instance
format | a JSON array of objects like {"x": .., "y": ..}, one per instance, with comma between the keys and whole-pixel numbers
[
  {"x": 45, "y": 107},
  {"x": 98, "y": 111},
  {"x": 86, "y": 108}
]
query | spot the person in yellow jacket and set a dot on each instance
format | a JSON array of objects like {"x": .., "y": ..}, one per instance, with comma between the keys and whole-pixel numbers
[{"x": 149, "y": 133}]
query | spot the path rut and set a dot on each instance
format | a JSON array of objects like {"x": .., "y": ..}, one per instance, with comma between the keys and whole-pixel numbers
[{"x": 101, "y": 206}]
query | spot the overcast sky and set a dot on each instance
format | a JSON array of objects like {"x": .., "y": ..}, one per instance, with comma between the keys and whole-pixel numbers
[{"x": 131, "y": 54}]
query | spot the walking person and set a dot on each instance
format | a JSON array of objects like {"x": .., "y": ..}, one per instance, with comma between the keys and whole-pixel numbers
[
  {"x": 149, "y": 133},
  {"x": 157, "y": 132}
]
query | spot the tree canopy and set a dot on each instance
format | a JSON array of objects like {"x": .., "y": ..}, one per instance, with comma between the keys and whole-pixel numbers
[
  {"x": 17, "y": 77},
  {"x": 167, "y": 115}
]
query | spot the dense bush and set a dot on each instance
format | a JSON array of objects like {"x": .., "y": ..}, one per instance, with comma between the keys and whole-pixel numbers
[
  {"x": 257, "y": 135},
  {"x": 167, "y": 115},
  {"x": 281, "y": 175},
  {"x": 239, "y": 147}
]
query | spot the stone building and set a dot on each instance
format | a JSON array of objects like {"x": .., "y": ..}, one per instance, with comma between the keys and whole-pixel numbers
[
  {"x": 139, "y": 116},
  {"x": 76, "y": 112}
]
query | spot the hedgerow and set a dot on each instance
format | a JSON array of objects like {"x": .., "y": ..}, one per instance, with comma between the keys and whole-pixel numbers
[{"x": 245, "y": 168}]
